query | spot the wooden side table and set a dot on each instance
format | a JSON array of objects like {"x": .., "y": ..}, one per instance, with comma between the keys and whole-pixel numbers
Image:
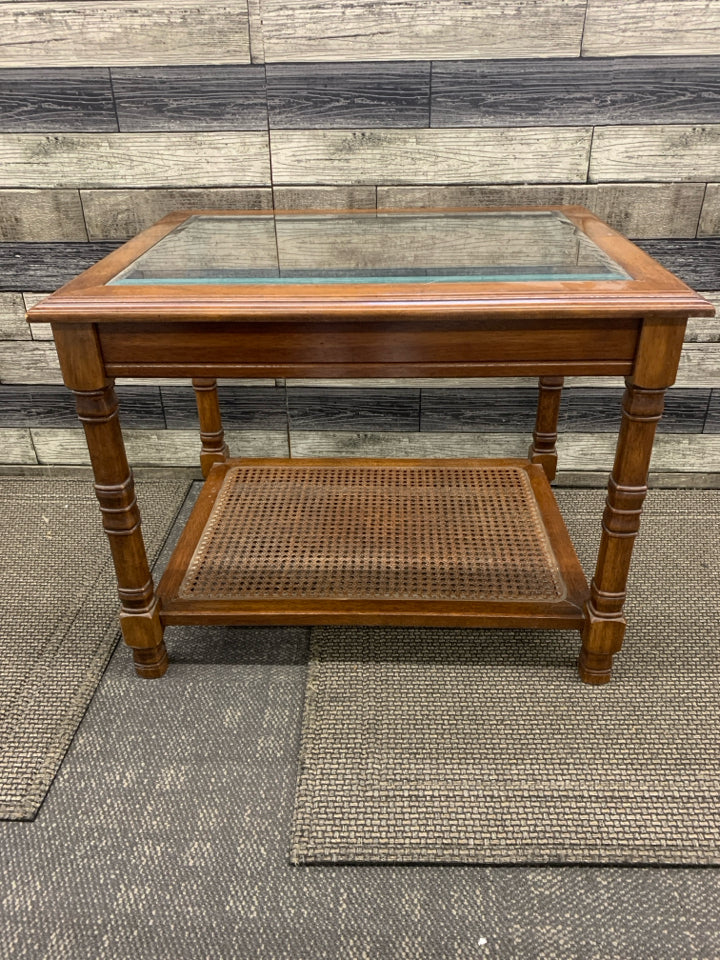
[{"x": 545, "y": 292}]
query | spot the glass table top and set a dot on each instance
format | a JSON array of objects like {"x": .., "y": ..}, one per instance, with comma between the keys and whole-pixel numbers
[{"x": 372, "y": 248}]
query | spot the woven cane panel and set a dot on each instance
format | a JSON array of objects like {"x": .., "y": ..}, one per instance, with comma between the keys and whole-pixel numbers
[{"x": 353, "y": 532}]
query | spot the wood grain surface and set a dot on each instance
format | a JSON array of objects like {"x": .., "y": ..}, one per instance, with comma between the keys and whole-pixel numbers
[
  {"x": 190, "y": 98},
  {"x": 659, "y": 152},
  {"x": 710, "y": 216},
  {"x": 12, "y": 317},
  {"x": 121, "y": 213},
  {"x": 651, "y": 27},
  {"x": 636, "y": 210},
  {"x": 108, "y": 33},
  {"x": 305, "y": 96},
  {"x": 75, "y": 99},
  {"x": 561, "y": 91},
  {"x": 16, "y": 446},
  {"x": 317, "y": 30},
  {"x": 41, "y": 216},
  {"x": 553, "y": 154},
  {"x": 134, "y": 159}
]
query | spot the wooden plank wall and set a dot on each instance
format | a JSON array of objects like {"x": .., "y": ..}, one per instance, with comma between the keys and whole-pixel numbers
[{"x": 112, "y": 114}]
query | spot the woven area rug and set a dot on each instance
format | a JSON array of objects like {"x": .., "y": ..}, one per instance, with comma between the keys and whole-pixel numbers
[
  {"x": 444, "y": 746},
  {"x": 58, "y": 621}
]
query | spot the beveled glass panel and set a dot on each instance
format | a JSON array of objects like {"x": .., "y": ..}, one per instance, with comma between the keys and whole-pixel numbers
[{"x": 373, "y": 248}]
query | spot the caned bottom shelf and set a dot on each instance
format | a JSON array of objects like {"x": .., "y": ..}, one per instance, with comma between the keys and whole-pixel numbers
[{"x": 405, "y": 542}]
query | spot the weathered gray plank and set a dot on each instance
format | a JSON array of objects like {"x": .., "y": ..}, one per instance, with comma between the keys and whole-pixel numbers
[
  {"x": 156, "y": 447},
  {"x": 303, "y": 96},
  {"x": 554, "y": 154},
  {"x": 584, "y": 451},
  {"x": 712, "y": 421},
  {"x": 337, "y": 408},
  {"x": 190, "y": 98},
  {"x": 54, "y": 406},
  {"x": 697, "y": 262},
  {"x": 46, "y": 266},
  {"x": 255, "y": 29},
  {"x": 134, "y": 159},
  {"x": 324, "y": 198},
  {"x": 699, "y": 365},
  {"x": 660, "y": 152},
  {"x": 41, "y": 216},
  {"x": 16, "y": 446},
  {"x": 637, "y": 210},
  {"x": 710, "y": 215},
  {"x": 120, "y": 214},
  {"x": 534, "y": 92},
  {"x": 109, "y": 33},
  {"x": 315, "y": 30},
  {"x": 651, "y": 27},
  {"x": 705, "y": 329},
  {"x": 27, "y": 361},
  {"x": 247, "y": 407},
  {"x": 45, "y": 99},
  {"x": 13, "y": 325}
]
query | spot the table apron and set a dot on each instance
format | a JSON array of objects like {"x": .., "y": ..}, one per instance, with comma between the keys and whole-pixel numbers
[{"x": 440, "y": 347}]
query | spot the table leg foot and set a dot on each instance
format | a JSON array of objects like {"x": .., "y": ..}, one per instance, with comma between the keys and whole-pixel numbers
[
  {"x": 595, "y": 668},
  {"x": 151, "y": 662}
]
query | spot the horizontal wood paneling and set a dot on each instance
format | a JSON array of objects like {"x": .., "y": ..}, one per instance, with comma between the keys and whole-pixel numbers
[
  {"x": 493, "y": 410},
  {"x": 303, "y": 96},
  {"x": 593, "y": 410},
  {"x": 710, "y": 216},
  {"x": 348, "y": 409},
  {"x": 41, "y": 216},
  {"x": 554, "y": 154},
  {"x": 699, "y": 365},
  {"x": 190, "y": 98},
  {"x": 134, "y": 159},
  {"x": 28, "y": 361},
  {"x": 46, "y": 266},
  {"x": 636, "y": 210},
  {"x": 697, "y": 262},
  {"x": 156, "y": 447},
  {"x": 108, "y": 33},
  {"x": 362, "y": 197},
  {"x": 13, "y": 325},
  {"x": 655, "y": 153},
  {"x": 242, "y": 408},
  {"x": 651, "y": 27},
  {"x": 52, "y": 100},
  {"x": 49, "y": 406},
  {"x": 606, "y": 91},
  {"x": 119, "y": 214},
  {"x": 307, "y": 30},
  {"x": 16, "y": 446},
  {"x": 576, "y": 451},
  {"x": 712, "y": 421}
]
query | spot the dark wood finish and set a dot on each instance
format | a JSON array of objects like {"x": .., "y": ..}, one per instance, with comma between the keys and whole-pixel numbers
[
  {"x": 655, "y": 370},
  {"x": 548, "y": 330},
  {"x": 697, "y": 262},
  {"x": 593, "y": 410},
  {"x": 97, "y": 408},
  {"x": 542, "y": 449},
  {"x": 563, "y": 614},
  {"x": 242, "y": 407},
  {"x": 346, "y": 95},
  {"x": 43, "y": 267},
  {"x": 214, "y": 449},
  {"x": 77, "y": 99},
  {"x": 190, "y": 98},
  {"x": 559, "y": 92}
]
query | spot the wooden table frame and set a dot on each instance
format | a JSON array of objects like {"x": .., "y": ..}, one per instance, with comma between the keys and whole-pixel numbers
[{"x": 632, "y": 328}]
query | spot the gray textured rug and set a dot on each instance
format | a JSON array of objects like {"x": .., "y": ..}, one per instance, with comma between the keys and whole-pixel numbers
[
  {"x": 484, "y": 747},
  {"x": 58, "y": 622}
]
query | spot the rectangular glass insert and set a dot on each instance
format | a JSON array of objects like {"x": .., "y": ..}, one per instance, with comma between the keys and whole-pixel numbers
[{"x": 373, "y": 248}]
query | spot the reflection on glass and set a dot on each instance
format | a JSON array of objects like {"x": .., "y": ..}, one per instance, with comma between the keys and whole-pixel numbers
[{"x": 373, "y": 248}]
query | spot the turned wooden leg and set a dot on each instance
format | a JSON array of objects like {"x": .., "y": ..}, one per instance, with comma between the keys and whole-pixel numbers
[
  {"x": 214, "y": 449},
  {"x": 139, "y": 617},
  {"x": 542, "y": 449},
  {"x": 605, "y": 624}
]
